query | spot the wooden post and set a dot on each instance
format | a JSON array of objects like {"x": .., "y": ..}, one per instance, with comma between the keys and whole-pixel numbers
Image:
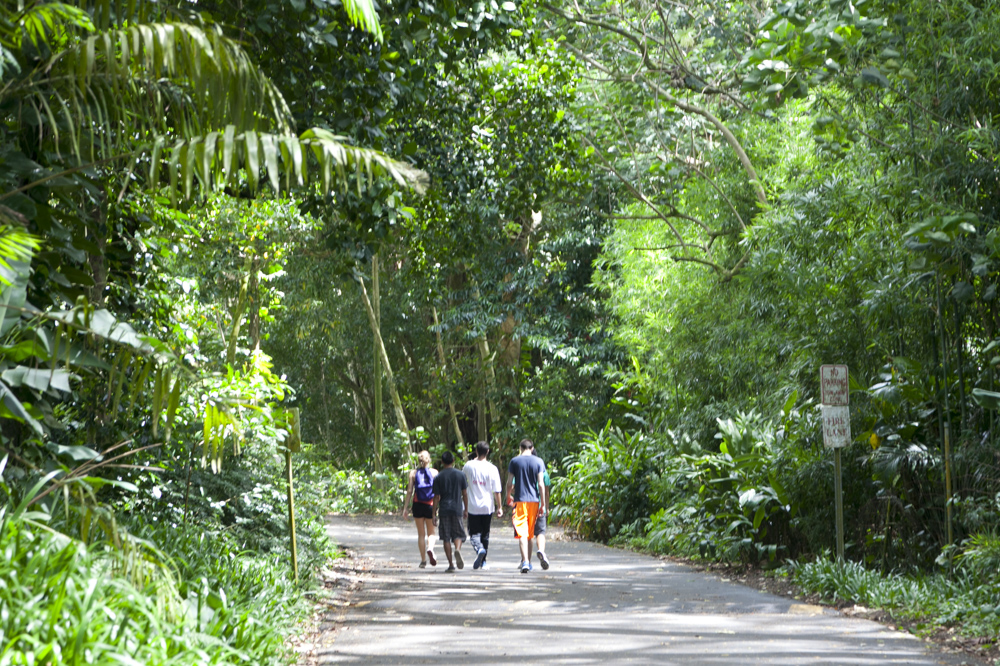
[
  {"x": 293, "y": 443},
  {"x": 291, "y": 515}
]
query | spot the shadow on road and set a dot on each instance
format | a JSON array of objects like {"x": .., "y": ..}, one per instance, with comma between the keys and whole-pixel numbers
[{"x": 595, "y": 606}]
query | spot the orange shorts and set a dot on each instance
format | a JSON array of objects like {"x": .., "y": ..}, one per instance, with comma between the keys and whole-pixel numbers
[{"x": 525, "y": 514}]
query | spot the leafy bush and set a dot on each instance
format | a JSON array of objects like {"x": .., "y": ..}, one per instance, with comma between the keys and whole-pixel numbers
[
  {"x": 607, "y": 483},
  {"x": 981, "y": 556},
  {"x": 355, "y": 491},
  {"x": 730, "y": 504}
]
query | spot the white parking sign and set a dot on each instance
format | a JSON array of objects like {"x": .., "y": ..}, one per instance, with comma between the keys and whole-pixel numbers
[{"x": 836, "y": 426}]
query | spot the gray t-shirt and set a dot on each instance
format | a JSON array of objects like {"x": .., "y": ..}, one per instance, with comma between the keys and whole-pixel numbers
[
  {"x": 526, "y": 470},
  {"x": 449, "y": 484}
]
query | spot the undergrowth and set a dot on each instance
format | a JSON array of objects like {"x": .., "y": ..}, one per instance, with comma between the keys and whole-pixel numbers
[
  {"x": 966, "y": 599},
  {"x": 149, "y": 586}
]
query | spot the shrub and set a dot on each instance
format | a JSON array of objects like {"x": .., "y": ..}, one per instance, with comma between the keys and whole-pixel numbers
[
  {"x": 607, "y": 483},
  {"x": 728, "y": 504}
]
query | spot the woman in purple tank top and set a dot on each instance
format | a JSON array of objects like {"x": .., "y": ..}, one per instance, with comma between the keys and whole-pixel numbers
[{"x": 420, "y": 489}]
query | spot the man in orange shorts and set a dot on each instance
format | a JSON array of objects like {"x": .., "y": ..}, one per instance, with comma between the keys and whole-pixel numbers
[{"x": 526, "y": 473}]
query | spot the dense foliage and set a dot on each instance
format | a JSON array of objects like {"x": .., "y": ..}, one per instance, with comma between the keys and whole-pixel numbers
[{"x": 630, "y": 233}]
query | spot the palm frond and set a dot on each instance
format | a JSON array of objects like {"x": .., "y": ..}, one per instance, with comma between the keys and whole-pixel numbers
[
  {"x": 47, "y": 23},
  {"x": 215, "y": 159},
  {"x": 362, "y": 14},
  {"x": 98, "y": 95},
  {"x": 16, "y": 244}
]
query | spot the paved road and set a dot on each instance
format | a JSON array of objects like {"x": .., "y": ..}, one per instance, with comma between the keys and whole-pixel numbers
[{"x": 596, "y": 605}]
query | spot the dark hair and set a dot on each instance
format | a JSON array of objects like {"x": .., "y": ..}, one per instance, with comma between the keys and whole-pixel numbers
[
  {"x": 447, "y": 458},
  {"x": 526, "y": 444},
  {"x": 482, "y": 449}
]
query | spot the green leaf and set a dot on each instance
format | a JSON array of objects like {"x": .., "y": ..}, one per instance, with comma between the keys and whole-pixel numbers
[
  {"x": 270, "y": 144},
  {"x": 252, "y": 145},
  {"x": 758, "y": 517},
  {"x": 872, "y": 75},
  {"x": 790, "y": 403},
  {"x": 15, "y": 409},
  {"x": 75, "y": 453},
  {"x": 986, "y": 399},
  {"x": 963, "y": 292}
]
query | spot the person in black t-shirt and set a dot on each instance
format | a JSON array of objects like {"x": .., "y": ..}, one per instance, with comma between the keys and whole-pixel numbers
[{"x": 451, "y": 501}]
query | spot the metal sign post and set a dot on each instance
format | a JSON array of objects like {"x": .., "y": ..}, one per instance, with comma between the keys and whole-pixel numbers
[
  {"x": 835, "y": 391},
  {"x": 293, "y": 444}
]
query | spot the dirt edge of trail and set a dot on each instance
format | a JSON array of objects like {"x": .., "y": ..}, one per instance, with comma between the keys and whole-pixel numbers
[{"x": 340, "y": 580}]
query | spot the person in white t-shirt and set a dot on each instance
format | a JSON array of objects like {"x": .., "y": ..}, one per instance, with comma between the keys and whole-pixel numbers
[{"x": 484, "y": 499}]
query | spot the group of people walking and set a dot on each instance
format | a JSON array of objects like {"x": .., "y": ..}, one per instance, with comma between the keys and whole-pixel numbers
[{"x": 453, "y": 499}]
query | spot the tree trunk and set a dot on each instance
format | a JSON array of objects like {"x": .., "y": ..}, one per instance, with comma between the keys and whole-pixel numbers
[
  {"x": 491, "y": 377},
  {"x": 253, "y": 305},
  {"x": 444, "y": 375},
  {"x": 377, "y": 362},
  {"x": 386, "y": 366},
  {"x": 241, "y": 306}
]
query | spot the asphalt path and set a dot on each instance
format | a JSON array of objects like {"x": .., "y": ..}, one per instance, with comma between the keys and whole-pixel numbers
[{"x": 596, "y": 605}]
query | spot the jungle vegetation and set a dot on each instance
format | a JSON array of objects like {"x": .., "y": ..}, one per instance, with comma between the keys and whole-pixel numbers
[{"x": 237, "y": 235}]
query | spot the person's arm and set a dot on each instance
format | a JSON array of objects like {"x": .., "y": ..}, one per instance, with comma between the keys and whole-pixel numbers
[
  {"x": 496, "y": 497},
  {"x": 436, "y": 489},
  {"x": 409, "y": 493},
  {"x": 465, "y": 504},
  {"x": 510, "y": 486},
  {"x": 542, "y": 494}
]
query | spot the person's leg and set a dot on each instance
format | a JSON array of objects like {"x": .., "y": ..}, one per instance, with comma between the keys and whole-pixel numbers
[
  {"x": 428, "y": 548},
  {"x": 447, "y": 552},
  {"x": 458, "y": 537},
  {"x": 484, "y": 535},
  {"x": 475, "y": 532},
  {"x": 522, "y": 543},
  {"x": 540, "y": 545},
  {"x": 532, "y": 508},
  {"x": 431, "y": 535},
  {"x": 477, "y": 524},
  {"x": 421, "y": 539}
]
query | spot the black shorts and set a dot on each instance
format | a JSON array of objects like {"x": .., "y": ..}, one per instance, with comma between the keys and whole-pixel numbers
[{"x": 421, "y": 510}]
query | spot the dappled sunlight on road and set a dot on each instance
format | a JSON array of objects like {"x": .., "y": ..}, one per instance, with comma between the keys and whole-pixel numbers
[{"x": 596, "y": 605}]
